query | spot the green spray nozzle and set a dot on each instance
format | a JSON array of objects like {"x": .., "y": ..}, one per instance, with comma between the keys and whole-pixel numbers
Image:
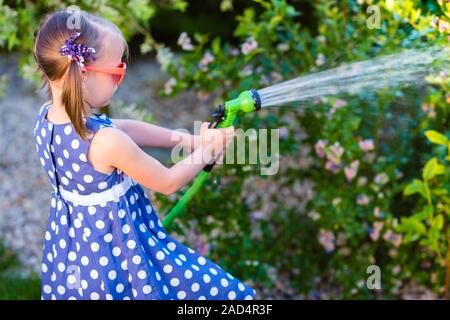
[{"x": 247, "y": 101}]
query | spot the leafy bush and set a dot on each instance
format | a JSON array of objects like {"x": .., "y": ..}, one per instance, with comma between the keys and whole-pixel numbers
[{"x": 337, "y": 205}]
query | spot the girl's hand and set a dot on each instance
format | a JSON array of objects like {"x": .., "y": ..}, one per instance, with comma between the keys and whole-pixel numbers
[{"x": 219, "y": 138}]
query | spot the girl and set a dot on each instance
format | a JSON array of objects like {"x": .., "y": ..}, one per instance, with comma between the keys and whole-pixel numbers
[{"x": 104, "y": 239}]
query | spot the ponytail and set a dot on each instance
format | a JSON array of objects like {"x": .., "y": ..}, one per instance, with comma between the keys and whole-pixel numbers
[{"x": 72, "y": 99}]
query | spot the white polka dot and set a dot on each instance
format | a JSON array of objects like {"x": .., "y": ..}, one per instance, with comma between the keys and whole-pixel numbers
[
  {"x": 132, "y": 199},
  {"x": 146, "y": 289},
  {"x": 92, "y": 210},
  {"x": 102, "y": 185},
  {"x": 50, "y": 257},
  {"x": 108, "y": 237},
  {"x": 60, "y": 162},
  {"x": 47, "y": 235},
  {"x": 62, "y": 243},
  {"x": 103, "y": 261},
  {"x": 112, "y": 275},
  {"x": 95, "y": 246},
  {"x": 241, "y": 287},
  {"x": 201, "y": 261},
  {"x": 87, "y": 232},
  {"x": 77, "y": 223},
  {"x": 232, "y": 295},
  {"x": 72, "y": 256},
  {"x": 174, "y": 282},
  {"x": 61, "y": 290},
  {"x": 206, "y": 278},
  {"x": 43, "y": 133},
  {"x": 142, "y": 274},
  {"x": 67, "y": 129},
  {"x": 80, "y": 187},
  {"x": 188, "y": 274},
  {"x": 61, "y": 267},
  {"x": 196, "y": 268},
  {"x": 66, "y": 153},
  {"x": 214, "y": 291},
  {"x": 121, "y": 213},
  {"x": 182, "y": 257},
  {"x": 224, "y": 282},
  {"x": 195, "y": 287},
  {"x": 69, "y": 174},
  {"x": 71, "y": 279},
  {"x": 84, "y": 284},
  {"x": 161, "y": 235},
  {"x": 124, "y": 265},
  {"x": 116, "y": 251},
  {"x": 100, "y": 224},
  {"x": 126, "y": 229},
  {"x": 44, "y": 268},
  {"x": 75, "y": 167},
  {"x": 63, "y": 220},
  {"x": 82, "y": 157},
  {"x": 84, "y": 260},
  {"x": 88, "y": 178},
  {"x": 119, "y": 288},
  {"x": 167, "y": 268},
  {"x": 94, "y": 296},
  {"x": 94, "y": 274},
  {"x": 39, "y": 141},
  {"x": 64, "y": 181},
  {"x": 178, "y": 261},
  {"x": 137, "y": 259},
  {"x": 165, "y": 289},
  {"x": 213, "y": 271},
  {"x": 131, "y": 244},
  {"x": 160, "y": 255},
  {"x": 171, "y": 246},
  {"x": 181, "y": 294}
]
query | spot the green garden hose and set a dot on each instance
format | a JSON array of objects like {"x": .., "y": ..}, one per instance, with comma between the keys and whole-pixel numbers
[{"x": 225, "y": 115}]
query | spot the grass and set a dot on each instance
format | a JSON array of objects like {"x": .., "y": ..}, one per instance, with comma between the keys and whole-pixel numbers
[
  {"x": 12, "y": 286},
  {"x": 17, "y": 288}
]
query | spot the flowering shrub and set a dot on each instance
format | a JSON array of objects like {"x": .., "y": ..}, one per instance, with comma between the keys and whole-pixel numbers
[{"x": 337, "y": 204}]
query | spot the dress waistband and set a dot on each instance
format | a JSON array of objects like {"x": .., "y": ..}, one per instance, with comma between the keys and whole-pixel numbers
[{"x": 112, "y": 194}]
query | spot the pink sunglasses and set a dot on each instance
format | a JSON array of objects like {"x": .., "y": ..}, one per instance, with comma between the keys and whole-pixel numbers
[{"x": 118, "y": 72}]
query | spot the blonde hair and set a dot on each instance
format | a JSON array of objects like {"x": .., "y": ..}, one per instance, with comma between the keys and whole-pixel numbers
[{"x": 51, "y": 35}]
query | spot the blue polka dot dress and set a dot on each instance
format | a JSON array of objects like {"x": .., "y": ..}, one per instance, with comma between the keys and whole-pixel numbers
[{"x": 104, "y": 239}]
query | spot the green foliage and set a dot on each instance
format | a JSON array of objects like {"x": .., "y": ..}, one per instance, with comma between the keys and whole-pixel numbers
[
  {"x": 337, "y": 204},
  {"x": 19, "y": 22}
]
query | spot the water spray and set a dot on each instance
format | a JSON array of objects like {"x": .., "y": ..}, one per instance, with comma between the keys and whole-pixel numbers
[{"x": 410, "y": 66}]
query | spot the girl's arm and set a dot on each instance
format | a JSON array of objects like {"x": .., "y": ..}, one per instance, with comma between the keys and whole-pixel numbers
[
  {"x": 112, "y": 147},
  {"x": 149, "y": 135}
]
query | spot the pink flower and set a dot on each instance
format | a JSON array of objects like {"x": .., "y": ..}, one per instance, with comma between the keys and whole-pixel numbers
[
  {"x": 362, "y": 200},
  {"x": 207, "y": 59},
  {"x": 336, "y": 151},
  {"x": 185, "y": 42},
  {"x": 381, "y": 178},
  {"x": 168, "y": 86},
  {"x": 351, "y": 171},
  {"x": 320, "y": 60},
  {"x": 375, "y": 234},
  {"x": 326, "y": 239},
  {"x": 249, "y": 46},
  {"x": 320, "y": 148},
  {"x": 283, "y": 132},
  {"x": 394, "y": 238},
  {"x": 366, "y": 145},
  {"x": 339, "y": 103},
  {"x": 331, "y": 166},
  {"x": 444, "y": 26}
]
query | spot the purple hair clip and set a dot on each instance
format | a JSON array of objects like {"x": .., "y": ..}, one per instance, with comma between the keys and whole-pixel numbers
[{"x": 77, "y": 51}]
